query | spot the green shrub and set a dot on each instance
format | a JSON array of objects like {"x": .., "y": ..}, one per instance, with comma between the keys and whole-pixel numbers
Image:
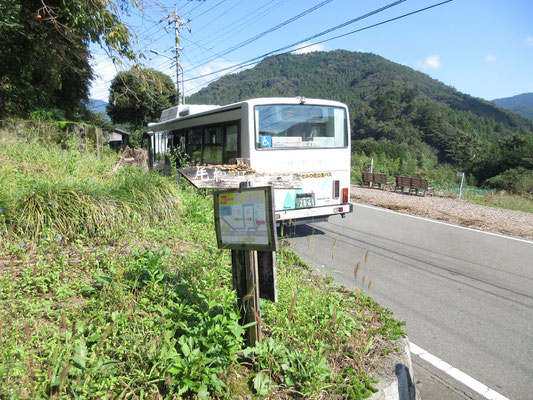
[
  {"x": 47, "y": 115},
  {"x": 516, "y": 180}
]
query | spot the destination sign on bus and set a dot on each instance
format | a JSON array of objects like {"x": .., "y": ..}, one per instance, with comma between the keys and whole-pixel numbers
[{"x": 302, "y": 113}]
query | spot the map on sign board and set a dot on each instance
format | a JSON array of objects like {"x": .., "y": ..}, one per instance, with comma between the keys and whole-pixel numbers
[{"x": 244, "y": 219}]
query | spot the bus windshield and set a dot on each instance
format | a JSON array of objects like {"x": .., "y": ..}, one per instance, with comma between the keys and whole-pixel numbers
[{"x": 300, "y": 126}]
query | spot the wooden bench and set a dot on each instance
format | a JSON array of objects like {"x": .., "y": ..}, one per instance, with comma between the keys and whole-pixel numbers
[
  {"x": 368, "y": 179},
  {"x": 380, "y": 180},
  {"x": 419, "y": 184},
  {"x": 413, "y": 184},
  {"x": 402, "y": 182},
  {"x": 375, "y": 180}
]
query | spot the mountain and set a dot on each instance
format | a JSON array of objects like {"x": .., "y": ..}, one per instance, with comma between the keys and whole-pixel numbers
[
  {"x": 388, "y": 102},
  {"x": 98, "y": 106},
  {"x": 521, "y": 104}
]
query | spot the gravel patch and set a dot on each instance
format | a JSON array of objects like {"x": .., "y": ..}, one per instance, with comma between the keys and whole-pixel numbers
[{"x": 454, "y": 211}]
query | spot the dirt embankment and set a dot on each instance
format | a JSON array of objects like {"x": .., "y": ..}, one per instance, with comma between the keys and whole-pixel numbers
[{"x": 454, "y": 211}]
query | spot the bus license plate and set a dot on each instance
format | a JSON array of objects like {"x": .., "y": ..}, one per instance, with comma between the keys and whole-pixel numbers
[{"x": 305, "y": 200}]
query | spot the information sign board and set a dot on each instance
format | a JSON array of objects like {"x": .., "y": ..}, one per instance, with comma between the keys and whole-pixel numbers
[{"x": 244, "y": 219}]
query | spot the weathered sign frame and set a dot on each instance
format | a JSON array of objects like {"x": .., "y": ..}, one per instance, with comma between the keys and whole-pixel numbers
[
  {"x": 267, "y": 206},
  {"x": 224, "y": 177}
]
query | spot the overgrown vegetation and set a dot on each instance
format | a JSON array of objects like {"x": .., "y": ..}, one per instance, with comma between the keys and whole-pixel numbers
[{"x": 111, "y": 284}]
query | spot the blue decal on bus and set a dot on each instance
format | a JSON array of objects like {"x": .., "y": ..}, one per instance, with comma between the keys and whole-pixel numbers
[{"x": 266, "y": 141}]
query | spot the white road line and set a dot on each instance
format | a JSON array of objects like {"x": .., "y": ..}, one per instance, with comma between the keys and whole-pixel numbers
[
  {"x": 473, "y": 384},
  {"x": 444, "y": 223}
]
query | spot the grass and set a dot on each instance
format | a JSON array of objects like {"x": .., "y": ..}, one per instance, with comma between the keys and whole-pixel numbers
[
  {"x": 74, "y": 193},
  {"x": 490, "y": 198},
  {"x": 111, "y": 286},
  {"x": 505, "y": 201}
]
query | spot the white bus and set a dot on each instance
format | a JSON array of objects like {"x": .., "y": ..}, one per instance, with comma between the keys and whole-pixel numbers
[{"x": 309, "y": 137}]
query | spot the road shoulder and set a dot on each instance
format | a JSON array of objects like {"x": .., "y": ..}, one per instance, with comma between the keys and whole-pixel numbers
[{"x": 454, "y": 211}]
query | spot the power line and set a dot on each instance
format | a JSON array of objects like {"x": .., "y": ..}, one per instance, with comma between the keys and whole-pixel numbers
[
  {"x": 220, "y": 15},
  {"x": 200, "y": 59},
  {"x": 313, "y": 36},
  {"x": 248, "y": 18},
  {"x": 275, "y": 28},
  {"x": 380, "y": 23},
  {"x": 206, "y": 11},
  {"x": 201, "y": 3},
  {"x": 253, "y": 61},
  {"x": 202, "y": 49}
]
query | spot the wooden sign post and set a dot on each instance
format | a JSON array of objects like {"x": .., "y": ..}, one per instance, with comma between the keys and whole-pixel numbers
[
  {"x": 244, "y": 223},
  {"x": 246, "y": 283}
]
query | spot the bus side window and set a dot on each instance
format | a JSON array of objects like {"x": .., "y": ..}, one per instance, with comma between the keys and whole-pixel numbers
[
  {"x": 194, "y": 145},
  {"x": 213, "y": 145},
  {"x": 231, "y": 143},
  {"x": 178, "y": 148},
  {"x": 168, "y": 148},
  {"x": 159, "y": 148}
]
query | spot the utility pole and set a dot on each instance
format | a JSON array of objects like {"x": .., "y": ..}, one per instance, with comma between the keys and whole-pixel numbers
[{"x": 178, "y": 23}]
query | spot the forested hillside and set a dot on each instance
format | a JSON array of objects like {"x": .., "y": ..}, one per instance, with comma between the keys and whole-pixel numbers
[
  {"x": 521, "y": 104},
  {"x": 394, "y": 104}
]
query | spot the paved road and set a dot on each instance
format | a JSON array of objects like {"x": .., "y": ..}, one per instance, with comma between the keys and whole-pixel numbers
[{"x": 467, "y": 296}]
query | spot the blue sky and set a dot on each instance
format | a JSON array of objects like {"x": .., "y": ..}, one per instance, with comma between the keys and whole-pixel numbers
[{"x": 481, "y": 47}]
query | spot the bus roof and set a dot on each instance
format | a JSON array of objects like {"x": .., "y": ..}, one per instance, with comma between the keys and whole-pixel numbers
[{"x": 186, "y": 110}]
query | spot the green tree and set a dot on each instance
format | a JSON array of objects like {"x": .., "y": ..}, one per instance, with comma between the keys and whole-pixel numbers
[
  {"x": 44, "y": 52},
  {"x": 139, "y": 95}
]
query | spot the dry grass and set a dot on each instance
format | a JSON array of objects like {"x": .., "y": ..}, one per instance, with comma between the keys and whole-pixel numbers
[{"x": 451, "y": 210}]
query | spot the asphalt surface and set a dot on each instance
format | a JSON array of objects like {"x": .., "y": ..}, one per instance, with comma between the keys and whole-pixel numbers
[
  {"x": 466, "y": 296},
  {"x": 433, "y": 385}
]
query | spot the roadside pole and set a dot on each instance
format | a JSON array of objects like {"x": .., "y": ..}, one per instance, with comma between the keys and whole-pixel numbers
[
  {"x": 244, "y": 223},
  {"x": 462, "y": 175}
]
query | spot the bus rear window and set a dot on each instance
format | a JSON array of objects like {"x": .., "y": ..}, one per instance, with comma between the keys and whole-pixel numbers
[{"x": 300, "y": 126}]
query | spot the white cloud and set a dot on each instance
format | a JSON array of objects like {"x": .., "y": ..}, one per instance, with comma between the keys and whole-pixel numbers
[
  {"x": 307, "y": 47},
  {"x": 431, "y": 62},
  {"x": 529, "y": 41},
  {"x": 206, "y": 75},
  {"x": 490, "y": 59}
]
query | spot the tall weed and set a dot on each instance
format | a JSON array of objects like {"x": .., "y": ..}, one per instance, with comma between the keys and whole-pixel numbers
[{"x": 57, "y": 191}]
